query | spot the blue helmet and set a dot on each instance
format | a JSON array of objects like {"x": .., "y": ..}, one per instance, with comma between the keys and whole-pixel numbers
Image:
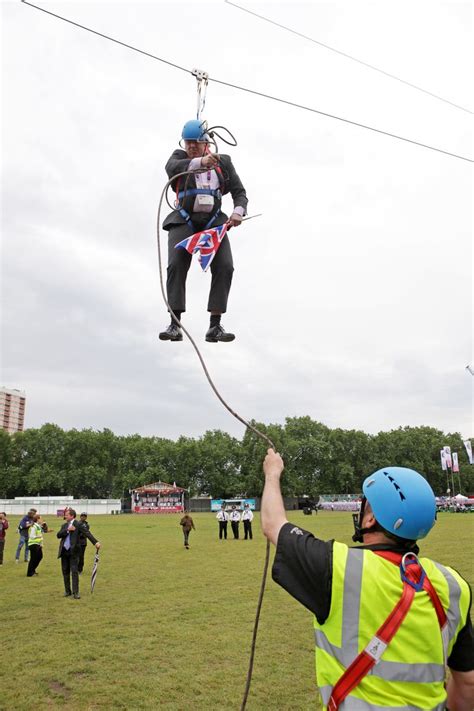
[
  {"x": 195, "y": 130},
  {"x": 402, "y": 501}
]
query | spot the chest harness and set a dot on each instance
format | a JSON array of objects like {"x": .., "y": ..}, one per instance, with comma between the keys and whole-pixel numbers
[
  {"x": 192, "y": 192},
  {"x": 414, "y": 580}
]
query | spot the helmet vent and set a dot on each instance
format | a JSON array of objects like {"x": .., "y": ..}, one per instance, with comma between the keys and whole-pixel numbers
[
  {"x": 398, "y": 523},
  {"x": 396, "y": 487}
]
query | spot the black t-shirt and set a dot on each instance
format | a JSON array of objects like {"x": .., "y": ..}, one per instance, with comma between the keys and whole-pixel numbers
[{"x": 303, "y": 567}]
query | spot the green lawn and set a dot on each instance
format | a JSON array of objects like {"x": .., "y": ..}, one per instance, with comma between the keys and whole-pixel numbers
[{"x": 167, "y": 627}]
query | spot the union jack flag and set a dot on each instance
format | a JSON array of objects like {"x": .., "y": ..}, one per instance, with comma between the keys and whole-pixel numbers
[{"x": 205, "y": 243}]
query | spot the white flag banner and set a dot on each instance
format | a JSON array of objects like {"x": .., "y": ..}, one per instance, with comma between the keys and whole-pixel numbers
[
  {"x": 455, "y": 463},
  {"x": 442, "y": 454},
  {"x": 468, "y": 446},
  {"x": 447, "y": 456}
]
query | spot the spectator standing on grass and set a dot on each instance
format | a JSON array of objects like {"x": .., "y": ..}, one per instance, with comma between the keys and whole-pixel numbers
[
  {"x": 35, "y": 544},
  {"x": 23, "y": 529},
  {"x": 3, "y": 528},
  {"x": 82, "y": 541},
  {"x": 354, "y": 592},
  {"x": 69, "y": 551},
  {"x": 187, "y": 523},
  {"x": 235, "y": 521},
  {"x": 247, "y": 518},
  {"x": 223, "y": 518}
]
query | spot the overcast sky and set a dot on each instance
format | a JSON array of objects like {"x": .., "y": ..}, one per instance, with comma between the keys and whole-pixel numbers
[{"x": 352, "y": 294}]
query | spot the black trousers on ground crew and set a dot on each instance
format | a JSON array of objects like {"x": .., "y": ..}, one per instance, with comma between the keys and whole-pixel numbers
[
  {"x": 179, "y": 261},
  {"x": 36, "y": 556},
  {"x": 222, "y": 529}
]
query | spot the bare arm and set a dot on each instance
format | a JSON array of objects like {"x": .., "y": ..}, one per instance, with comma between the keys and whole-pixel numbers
[
  {"x": 272, "y": 514},
  {"x": 460, "y": 689}
]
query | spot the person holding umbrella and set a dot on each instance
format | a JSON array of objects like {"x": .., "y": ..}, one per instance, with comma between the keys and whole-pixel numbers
[{"x": 70, "y": 549}]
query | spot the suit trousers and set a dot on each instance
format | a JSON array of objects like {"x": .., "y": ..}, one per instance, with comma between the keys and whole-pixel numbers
[
  {"x": 2, "y": 547},
  {"x": 36, "y": 556},
  {"x": 223, "y": 529},
  {"x": 179, "y": 261},
  {"x": 235, "y": 528},
  {"x": 70, "y": 569}
]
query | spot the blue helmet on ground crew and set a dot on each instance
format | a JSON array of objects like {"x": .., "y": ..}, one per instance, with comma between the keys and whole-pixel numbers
[{"x": 402, "y": 502}]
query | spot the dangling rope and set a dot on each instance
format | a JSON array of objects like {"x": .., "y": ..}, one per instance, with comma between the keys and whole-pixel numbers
[{"x": 260, "y": 434}]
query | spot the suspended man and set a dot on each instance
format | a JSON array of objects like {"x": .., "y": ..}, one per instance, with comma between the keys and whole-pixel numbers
[{"x": 198, "y": 207}]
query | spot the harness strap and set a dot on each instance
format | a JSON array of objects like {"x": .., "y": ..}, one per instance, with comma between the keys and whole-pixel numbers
[
  {"x": 413, "y": 577},
  {"x": 199, "y": 191}
]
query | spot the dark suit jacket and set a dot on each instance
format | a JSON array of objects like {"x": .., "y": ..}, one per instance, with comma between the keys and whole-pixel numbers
[
  {"x": 232, "y": 184},
  {"x": 75, "y": 542}
]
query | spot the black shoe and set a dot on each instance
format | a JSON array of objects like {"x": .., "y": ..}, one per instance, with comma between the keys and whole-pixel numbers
[
  {"x": 172, "y": 333},
  {"x": 67, "y": 594},
  {"x": 217, "y": 333},
  {"x": 76, "y": 596}
]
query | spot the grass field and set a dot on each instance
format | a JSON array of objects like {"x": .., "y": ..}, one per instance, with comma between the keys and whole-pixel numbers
[{"x": 166, "y": 627}]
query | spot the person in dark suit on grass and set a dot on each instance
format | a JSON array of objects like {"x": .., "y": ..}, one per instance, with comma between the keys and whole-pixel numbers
[
  {"x": 198, "y": 207},
  {"x": 70, "y": 550}
]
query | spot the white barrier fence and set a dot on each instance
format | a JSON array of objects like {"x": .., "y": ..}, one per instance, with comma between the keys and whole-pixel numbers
[{"x": 50, "y": 505}]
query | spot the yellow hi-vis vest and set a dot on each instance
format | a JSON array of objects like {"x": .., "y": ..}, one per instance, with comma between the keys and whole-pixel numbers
[
  {"x": 410, "y": 674},
  {"x": 35, "y": 535}
]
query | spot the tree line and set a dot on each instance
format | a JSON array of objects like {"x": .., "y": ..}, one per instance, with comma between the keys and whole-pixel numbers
[{"x": 318, "y": 460}]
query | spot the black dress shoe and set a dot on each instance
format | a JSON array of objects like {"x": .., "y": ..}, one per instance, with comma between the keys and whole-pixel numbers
[
  {"x": 76, "y": 596},
  {"x": 67, "y": 594},
  {"x": 217, "y": 333},
  {"x": 172, "y": 333}
]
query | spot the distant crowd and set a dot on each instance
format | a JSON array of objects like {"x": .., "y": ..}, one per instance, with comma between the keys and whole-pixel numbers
[{"x": 73, "y": 536}]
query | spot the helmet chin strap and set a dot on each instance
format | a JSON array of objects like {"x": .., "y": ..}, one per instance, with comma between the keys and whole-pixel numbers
[{"x": 359, "y": 532}]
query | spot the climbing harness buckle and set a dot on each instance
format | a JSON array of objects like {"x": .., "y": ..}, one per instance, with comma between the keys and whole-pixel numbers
[{"x": 417, "y": 585}]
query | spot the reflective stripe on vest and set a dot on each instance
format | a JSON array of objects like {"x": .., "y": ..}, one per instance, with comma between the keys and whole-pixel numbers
[
  {"x": 353, "y": 704},
  {"x": 368, "y": 586}
]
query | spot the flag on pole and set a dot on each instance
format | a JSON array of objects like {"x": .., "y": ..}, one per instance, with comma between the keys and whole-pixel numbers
[
  {"x": 442, "y": 454},
  {"x": 455, "y": 463},
  {"x": 94, "y": 570},
  {"x": 205, "y": 243},
  {"x": 447, "y": 456},
  {"x": 468, "y": 446}
]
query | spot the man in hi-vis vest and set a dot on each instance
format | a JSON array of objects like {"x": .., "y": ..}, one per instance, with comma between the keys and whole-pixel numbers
[{"x": 386, "y": 623}]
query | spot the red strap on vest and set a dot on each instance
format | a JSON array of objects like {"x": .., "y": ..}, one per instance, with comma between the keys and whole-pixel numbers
[{"x": 369, "y": 656}]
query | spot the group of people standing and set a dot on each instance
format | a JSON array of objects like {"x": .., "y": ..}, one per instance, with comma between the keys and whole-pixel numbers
[
  {"x": 235, "y": 517},
  {"x": 73, "y": 536}
]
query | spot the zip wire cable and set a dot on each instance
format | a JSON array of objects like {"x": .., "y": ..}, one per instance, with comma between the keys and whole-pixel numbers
[
  {"x": 256, "y": 93},
  {"x": 260, "y": 434},
  {"x": 348, "y": 56}
]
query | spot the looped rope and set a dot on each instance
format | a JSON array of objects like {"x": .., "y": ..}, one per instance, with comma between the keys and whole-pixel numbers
[{"x": 256, "y": 431}]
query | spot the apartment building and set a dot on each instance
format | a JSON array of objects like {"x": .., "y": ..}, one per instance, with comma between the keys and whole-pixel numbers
[{"x": 12, "y": 409}]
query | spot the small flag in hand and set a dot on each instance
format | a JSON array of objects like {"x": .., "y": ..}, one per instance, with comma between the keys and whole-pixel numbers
[
  {"x": 94, "y": 571},
  {"x": 205, "y": 243}
]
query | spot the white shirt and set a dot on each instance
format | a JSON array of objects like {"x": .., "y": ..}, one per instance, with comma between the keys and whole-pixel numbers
[
  {"x": 234, "y": 516},
  {"x": 222, "y": 516},
  {"x": 247, "y": 515}
]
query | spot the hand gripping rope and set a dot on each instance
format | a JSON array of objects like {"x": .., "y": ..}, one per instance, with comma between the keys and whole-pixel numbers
[{"x": 232, "y": 412}]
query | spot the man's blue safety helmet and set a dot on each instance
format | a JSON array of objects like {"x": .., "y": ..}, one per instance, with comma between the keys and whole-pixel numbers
[
  {"x": 402, "y": 501},
  {"x": 195, "y": 130}
]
